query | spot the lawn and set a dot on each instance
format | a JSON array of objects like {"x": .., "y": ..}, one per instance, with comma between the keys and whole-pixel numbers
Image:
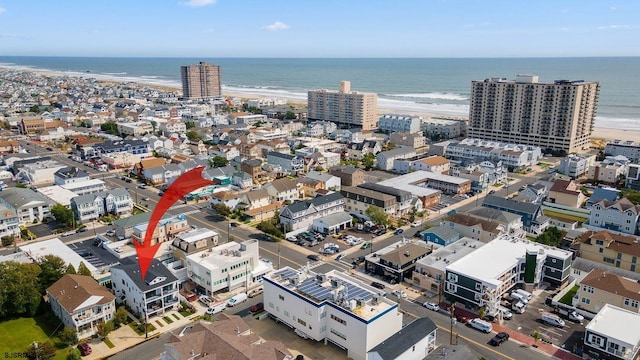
[
  {"x": 567, "y": 298},
  {"x": 564, "y": 216},
  {"x": 18, "y": 334},
  {"x": 176, "y": 316},
  {"x": 167, "y": 319}
]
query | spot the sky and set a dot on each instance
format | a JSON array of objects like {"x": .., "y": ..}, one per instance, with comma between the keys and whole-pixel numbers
[{"x": 313, "y": 28}]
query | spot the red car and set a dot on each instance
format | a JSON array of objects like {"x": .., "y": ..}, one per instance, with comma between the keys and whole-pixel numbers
[
  {"x": 257, "y": 307},
  {"x": 84, "y": 348}
]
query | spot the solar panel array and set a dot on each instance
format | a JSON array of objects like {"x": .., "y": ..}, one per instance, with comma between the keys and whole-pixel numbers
[
  {"x": 286, "y": 274},
  {"x": 355, "y": 292},
  {"x": 314, "y": 289}
]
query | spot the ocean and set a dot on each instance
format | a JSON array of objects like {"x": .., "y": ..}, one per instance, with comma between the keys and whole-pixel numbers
[{"x": 440, "y": 86}]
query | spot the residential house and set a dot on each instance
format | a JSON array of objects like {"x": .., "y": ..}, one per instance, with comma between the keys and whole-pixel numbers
[
  {"x": 28, "y": 205},
  {"x": 400, "y": 123},
  {"x": 257, "y": 205},
  {"x": 603, "y": 193},
  {"x": 414, "y": 140},
  {"x": 81, "y": 303},
  {"x": 167, "y": 228},
  {"x": 386, "y": 159},
  {"x": 283, "y": 190},
  {"x": 349, "y": 175},
  {"x": 601, "y": 287},
  {"x": 9, "y": 146},
  {"x": 149, "y": 163},
  {"x": 291, "y": 164},
  {"x": 408, "y": 198},
  {"x": 610, "y": 170},
  {"x": 533, "y": 193},
  {"x": 443, "y": 129},
  {"x": 357, "y": 150},
  {"x": 440, "y": 235},
  {"x": 327, "y": 180},
  {"x": 9, "y": 225},
  {"x": 620, "y": 215},
  {"x": 510, "y": 223},
  {"x": 253, "y": 168},
  {"x": 227, "y": 152},
  {"x": 308, "y": 187},
  {"x": 413, "y": 342},
  {"x": 533, "y": 220},
  {"x": 567, "y": 193},
  {"x": 69, "y": 175},
  {"x": 93, "y": 206},
  {"x": 576, "y": 165},
  {"x": 472, "y": 227},
  {"x": 299, "y": 216},
  {"x": 242, "y": 180},
  {"x": 629, "y": 149},
  {"x": 228, "y": 337},
  {"x": 613, "y": 249},
  {"x": 633, "y": 177},
  {"x": 156, "y": 294},
  {"x": 612, "y": 334},
  {"x": 320, "y": 128},
  {"x": 358, "y": 200},
  {"x": 231, "y": 199},
  {"x": 436, "y": 164}
]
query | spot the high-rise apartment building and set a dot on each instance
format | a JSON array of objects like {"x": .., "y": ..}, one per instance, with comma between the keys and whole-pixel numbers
[
  {"x": 345, "y": 107},
  {"x": 201, "y": 81},
  {"x": 558, "y": 115}
]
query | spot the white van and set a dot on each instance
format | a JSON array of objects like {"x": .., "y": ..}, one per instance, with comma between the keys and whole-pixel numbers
[
  {"x": 237, "y": 299},
  {"x": 255, "y": 291},
  {"x": 216, "y": 308},
  {"x": 518, "y": 297},
  {"x": 518, "y": 307},
  {"x": 527, "y": 294},
  {"x": 552, "y": 319},
  {"x": 481, "y": 325}
]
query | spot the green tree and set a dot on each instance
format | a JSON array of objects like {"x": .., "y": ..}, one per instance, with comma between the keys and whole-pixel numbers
[
  {"x": 368, "y": 161},
  {"x": 62, "y": 214},
  {"x": 551, "y": 236},
  {"x": 83, "y": 269},
  {"x": 222, "y": 210},
  {"x": 53, "y": 268},
  {"x": 481, "y": 313},
  {"x": 190, "y": 125},
  {"x": 154, "y": 125},
  {"x": 71, "y": 270},
  {"x": 110, "y": 127},
  {"x": 35, "y": 109},
  {"x": 74, "y": 354},
  {"x": 632, "y": 195},
  {"x": 41, "y": 351},
  {"x": 120, "y": 316},
  {"x": 192, "y": 135},
  {"x": 19, "y": 289},
  {"x": 103, "y": 329},
  {"x": 21, "y": 185},
  {"x": 290, "y": 115},
  {"x": 8, "y": 240},
  {"x": 536, "y": 336},
  {"x": 377, "y": 215},
  {"x": 218, "y": 161},
  {"x": 68, "y": 336}
]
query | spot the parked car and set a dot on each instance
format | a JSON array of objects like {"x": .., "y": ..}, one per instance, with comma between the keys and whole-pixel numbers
[
  {"x": 68, "y": 233},
  {"x": 377, "y": 285},
  {"x": 431, "y": 306},
  {"x": 481, "y": 325},
  {"x": 81, "y": 230},
  {"x": 416, "y": 223},
  {"x": 499, "y": 339},
  {"x": 255, "y": 292},
  {"x": 257, "y": 307},
  {"x": 84, "y": 348},
  {"x": 234, "y": 224},
  {"x": 111, "y": 233},
  {"x": 313, "y": 257},
  {"x": 266, "y": 237},
  {"x": 145, "y": 199},
  {"x": 237, "y": 299},
  {"x": 398, "y": 231},
  {"x": 365, "y": 245},
  {"x": 292, "y": 238},
  {"x": 418, "y": 234},
  {"x": 399, "y": 293},
  {"x": 339, "y": 257},
  {"x": 205, "y": 300},
  {"x": 358, "y": 260}
]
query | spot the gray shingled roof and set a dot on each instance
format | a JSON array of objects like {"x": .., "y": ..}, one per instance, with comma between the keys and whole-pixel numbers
[
  {"x": 514, "y": 205},
  {"x": 404, "y": 339},
  {"x": 401, "y": 195},
  {"x": 443, "y": 232},
  {"x": 155, "y": 270},
  {"x": 280, "y": 155},
  {"x": 18, "y": 197}
]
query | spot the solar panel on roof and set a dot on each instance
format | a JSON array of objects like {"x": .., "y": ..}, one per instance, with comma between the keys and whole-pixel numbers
[{"x": 286, "y": 274}]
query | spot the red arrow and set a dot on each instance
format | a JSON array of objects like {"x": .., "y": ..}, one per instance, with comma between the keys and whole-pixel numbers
[{"x": 184, "y": 184}]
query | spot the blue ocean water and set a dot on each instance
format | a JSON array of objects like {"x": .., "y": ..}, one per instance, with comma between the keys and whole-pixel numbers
[{"x": 403, "y": 85}]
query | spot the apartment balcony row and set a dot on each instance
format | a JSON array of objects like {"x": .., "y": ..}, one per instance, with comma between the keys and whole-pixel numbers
[{"x": 80, "y": 320}]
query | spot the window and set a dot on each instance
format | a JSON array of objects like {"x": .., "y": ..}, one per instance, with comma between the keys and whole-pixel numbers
[
  {"x": 600, "y": 250},
  {"x": 338, "y": 334},
  {"x": 478, "y": 286},
  {"x": 286, "y": 313},
  {"x": 588, "y": 289},
  {"x": 619, "y": 256},
  {"x": 608, "y": 260},
  {"x": 599, "y": 242},
  {"x": 634, "y": 259},
  {"x": 595, "y": 339},
  {"x": 452, "y": 277},
  {"x": 281, "y": 297},
  {"x": 452, "y": 287},
  {"x": 586, "y": 300},
  {"x": 302, "y": 322},
  {"x": 341, "y": 321}
]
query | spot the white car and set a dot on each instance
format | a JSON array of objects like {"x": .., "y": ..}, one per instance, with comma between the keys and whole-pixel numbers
[
  {"x": 399, "y": 293},
  {"x": 68, "y": 233},
  {"x": 416, "y": 223},
  {"x": 117, "y": 249},
  {"x": 111, "y": 233},
  {"x": 431, "y": 306}
]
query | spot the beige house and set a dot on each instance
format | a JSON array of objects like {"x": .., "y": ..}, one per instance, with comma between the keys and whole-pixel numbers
[
  {"x": 414, "y": 140},
  {"x": 602, "y": 287},
  {"x": 257, "y": 205},
  {"x": 436, "y": 164},
  {"x": 81, "y": 303},
  {"x": 349, "y": 175},
  {"x": 604, "y": 247},
  {"x": 566, "y": 192},
  {"x": 358, "y": 200},
  {"x": 472, "y": 227}
]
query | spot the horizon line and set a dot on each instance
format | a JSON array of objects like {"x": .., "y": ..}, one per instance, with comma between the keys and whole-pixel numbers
[{"x": 323, "y": 58}]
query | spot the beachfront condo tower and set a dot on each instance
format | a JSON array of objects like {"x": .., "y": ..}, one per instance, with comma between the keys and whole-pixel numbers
[
  {"x": 558, "y": 115},
  {"x": 200, "y": 81},
  {"x": 346, "y": 108}
]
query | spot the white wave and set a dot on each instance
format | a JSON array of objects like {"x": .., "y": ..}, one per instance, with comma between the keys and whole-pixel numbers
[
  {"x": 617, "y": 123},
  {"x": 116, "y": 73},
  {"x": 405, "y": 106},
  {"x": 148, "y": 77},
  {"x": 432, "y": 95},
  {"x": 265, "y": 92}
]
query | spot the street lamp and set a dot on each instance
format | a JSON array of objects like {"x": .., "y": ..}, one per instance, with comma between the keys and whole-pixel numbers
[
  {"x": 228, "y": 230},
  {"x": 453, "y": 321}
]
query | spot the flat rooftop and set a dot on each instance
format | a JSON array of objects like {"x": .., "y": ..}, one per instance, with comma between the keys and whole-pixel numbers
[
  {"x": 407, "y": 182},
  {"x": 220, "y": 256},
  {"x": 443, "y": 256},
  {"x": 490, "y": 261},
  {"x": 58, "y": 194},
  {"x": 82, "y": 184},
  {"x": 617, "y": 324},
  {"x": 334, "y": 289},
  {"x": 197, "y": 234},
  {"x": 56, "y": 247}
]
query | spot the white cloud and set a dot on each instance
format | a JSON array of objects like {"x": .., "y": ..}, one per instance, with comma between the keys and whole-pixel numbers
[
  {"x": 197, "y": 3},
  {"x": 277, "y": 26},
  {"x": 615, "y": 27},
  {"x": 2, "y": 10},
  {"x": 613, "y": 8}
]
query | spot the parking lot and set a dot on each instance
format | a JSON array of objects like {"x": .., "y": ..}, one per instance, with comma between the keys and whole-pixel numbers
[
  {"x": 446, "y": 201},
  {"x": 96, "y": 256}
]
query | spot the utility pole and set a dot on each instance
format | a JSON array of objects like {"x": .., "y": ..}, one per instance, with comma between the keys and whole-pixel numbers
[
  {"x": 228, "y": 229},
  {"x": 278, "y": 256},
  {"x": 453, "y": 321}
]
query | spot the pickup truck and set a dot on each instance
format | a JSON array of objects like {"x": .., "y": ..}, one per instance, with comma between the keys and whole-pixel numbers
[{"x": 570, "y": 314}]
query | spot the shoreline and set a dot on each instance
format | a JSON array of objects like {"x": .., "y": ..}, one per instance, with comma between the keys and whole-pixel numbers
[{"x": 599, "y": 133}]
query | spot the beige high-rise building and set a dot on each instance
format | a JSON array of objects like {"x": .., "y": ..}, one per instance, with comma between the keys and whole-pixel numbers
[
  {"x": 346, "y": 108},
  {"x": 558, "y": 115},
  {"x": 201, "y": 81}
]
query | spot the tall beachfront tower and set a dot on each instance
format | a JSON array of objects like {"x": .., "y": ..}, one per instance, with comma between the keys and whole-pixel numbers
[
  {"x": 201, "y": 81},
  {"x": 346, "y": 108},
  {"x": 558, "y": 115}
]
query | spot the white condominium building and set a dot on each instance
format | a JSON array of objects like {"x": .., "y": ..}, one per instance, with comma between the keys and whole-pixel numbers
[
  {"x": 345, "y": 107},
  {"x": 332, "y": 307},
  {"x": 558, "y": 115}
]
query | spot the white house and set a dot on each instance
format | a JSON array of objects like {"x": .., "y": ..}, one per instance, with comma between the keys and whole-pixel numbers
[
  {"x": 413, "y": 342},
  {"x": 613, "y": 334},
  {"x": 620, "y": 215},
  {"x": 332, "y": 307},
  {"x": 155, "y": 295}
]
